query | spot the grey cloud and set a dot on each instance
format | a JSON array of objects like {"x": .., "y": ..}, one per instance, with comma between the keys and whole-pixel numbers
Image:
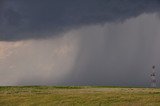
[
  {"x": 120, "y": 54},
  {"x": 26, "y": 19},
  {"x": 118, "y": 41}
]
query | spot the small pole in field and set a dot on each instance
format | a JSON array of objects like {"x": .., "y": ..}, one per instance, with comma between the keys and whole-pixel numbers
[{"x": 153, "y": 77}]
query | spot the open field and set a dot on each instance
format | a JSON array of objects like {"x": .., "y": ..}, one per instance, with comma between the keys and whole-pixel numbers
[{"x": 78, "y": 96}]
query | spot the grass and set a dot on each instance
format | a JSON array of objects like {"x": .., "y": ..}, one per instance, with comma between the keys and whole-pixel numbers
[{"x": 78, "y": 96}]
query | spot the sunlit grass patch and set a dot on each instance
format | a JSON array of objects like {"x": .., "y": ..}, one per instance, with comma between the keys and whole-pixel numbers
[{"x": 78, "y": 96}]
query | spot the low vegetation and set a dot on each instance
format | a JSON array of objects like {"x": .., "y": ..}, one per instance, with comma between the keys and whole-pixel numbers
[{"x": 78, "y": 96}]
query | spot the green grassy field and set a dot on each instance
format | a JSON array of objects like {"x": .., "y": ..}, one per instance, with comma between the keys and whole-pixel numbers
[{"x": 78, "y": 96}]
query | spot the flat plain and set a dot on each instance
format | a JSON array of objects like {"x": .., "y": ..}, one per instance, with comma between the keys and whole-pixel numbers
[{"x": 78, "y": 96}]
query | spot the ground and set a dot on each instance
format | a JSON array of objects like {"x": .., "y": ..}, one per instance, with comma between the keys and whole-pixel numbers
[{"x": 78, "y": 96}]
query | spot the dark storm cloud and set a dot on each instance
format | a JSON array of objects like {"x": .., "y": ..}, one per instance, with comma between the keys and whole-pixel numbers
[{"x": 33, "y": 19}]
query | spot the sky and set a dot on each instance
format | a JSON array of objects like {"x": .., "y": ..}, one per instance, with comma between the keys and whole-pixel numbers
[{"x": 79, "y": 42}]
